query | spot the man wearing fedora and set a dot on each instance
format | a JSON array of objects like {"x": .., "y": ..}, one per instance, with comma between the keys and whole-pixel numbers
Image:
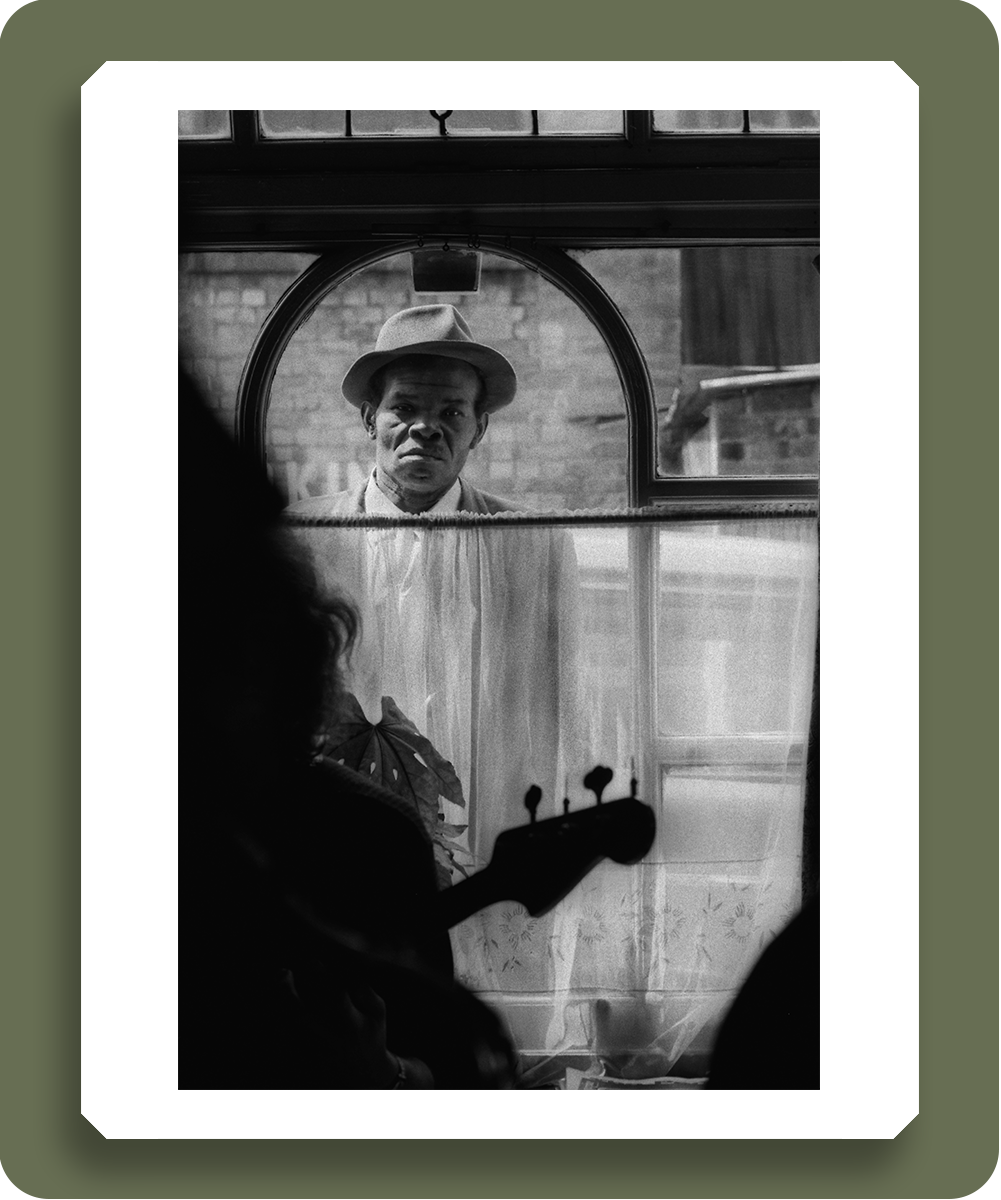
[
  {"x": 425, "y": 394},
  {"x": 469, "y": 629}
]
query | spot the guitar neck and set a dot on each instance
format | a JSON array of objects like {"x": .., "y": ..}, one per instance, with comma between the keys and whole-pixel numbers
[
  {"x": 466, "y": 897},
  {"x": 539, "y": 863}
]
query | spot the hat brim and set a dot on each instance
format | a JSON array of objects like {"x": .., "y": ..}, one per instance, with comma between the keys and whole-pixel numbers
[{"x": 500, "y": 381}]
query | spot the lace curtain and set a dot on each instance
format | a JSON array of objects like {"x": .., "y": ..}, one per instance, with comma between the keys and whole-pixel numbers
[{"x": 527, "y": 653}]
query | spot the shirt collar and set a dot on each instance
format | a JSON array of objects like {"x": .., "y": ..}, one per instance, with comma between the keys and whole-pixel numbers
[{"x": 381, "y": 505}]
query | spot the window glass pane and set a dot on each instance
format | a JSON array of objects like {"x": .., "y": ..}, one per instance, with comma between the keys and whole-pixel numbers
[
  {"x": 486, "y": 122},
  {"x": 732, "y": 120},
  {"x": 731, "y": 336},
  {"x": 306, "y": 123},
  {"x": 203, "y": 123},
  {"x": 581, "y": 120},
  {"x": 561, "y": 443},
  {"x": 415, "y": 122},
  {"x": 481, "y": 122},
  {"x": 736, "y": 624},
  {"x": 420, "y": 123},
  {"x": 223, "y": 300},
  {"x": 672, "y": 120},
  {"x": 783, "y": 121}
]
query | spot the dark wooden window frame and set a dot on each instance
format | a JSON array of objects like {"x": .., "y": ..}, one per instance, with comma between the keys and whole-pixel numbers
[
  {"x": 354, "y": 201},
  {"x": 638, "y": 188},
  {"x": 357, "y": 201}
]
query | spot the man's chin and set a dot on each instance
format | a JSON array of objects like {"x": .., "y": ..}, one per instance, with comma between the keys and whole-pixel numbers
[{"x": 423, "y": 475}]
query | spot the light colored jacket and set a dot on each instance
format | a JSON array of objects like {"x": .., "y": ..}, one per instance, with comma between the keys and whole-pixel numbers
[
  {"x": 476, "y": 639},
  {"x": 352, "y": 502}
]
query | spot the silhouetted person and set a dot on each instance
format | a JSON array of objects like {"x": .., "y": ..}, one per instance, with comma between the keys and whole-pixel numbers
[
  {"x": 771, "y": 1036},
  {"x": 302, "y": 959}
]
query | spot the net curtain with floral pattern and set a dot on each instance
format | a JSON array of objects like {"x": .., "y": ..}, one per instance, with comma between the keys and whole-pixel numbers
[{"x": 518, "y": 652}]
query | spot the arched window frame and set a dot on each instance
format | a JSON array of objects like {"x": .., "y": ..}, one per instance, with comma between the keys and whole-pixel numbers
[
  {"x": 334, "y": 268},
  {"x": 356, "y": 200},
  {"x": 645, "y": 486}
]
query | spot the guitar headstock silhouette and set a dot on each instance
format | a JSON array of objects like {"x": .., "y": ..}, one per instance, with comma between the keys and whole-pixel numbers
[{"x": 539, "y": 863}]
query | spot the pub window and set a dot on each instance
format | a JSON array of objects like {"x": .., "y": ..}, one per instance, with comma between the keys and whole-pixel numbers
[{"x": 656, "y": 611}]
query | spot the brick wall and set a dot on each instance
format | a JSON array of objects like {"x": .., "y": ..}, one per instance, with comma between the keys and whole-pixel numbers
[
  {"x": 771, "y": 431},
  {"x": 222, "y": 302}
]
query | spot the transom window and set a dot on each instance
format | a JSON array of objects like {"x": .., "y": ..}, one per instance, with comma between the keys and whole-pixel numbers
[{"x": 270, "y": 124}]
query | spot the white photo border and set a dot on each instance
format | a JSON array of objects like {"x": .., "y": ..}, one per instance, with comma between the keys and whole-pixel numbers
[{"x": 869, "y": 779}]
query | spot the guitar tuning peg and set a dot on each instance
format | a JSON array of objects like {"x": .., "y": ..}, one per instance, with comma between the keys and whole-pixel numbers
[
  {"x": 597, "y": 780},
  {"x": 532, "y": 798}
]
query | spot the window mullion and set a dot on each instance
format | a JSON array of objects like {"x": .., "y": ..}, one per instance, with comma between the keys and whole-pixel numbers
[
  {"x": 642, "y": 576},
  {"x": 245, "y": 127}
]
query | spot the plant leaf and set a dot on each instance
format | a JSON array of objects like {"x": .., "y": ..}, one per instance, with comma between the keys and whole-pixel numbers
[{"x": 395, "y": 754}]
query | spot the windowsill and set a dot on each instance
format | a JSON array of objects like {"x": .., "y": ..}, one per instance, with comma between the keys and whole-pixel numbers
[{"x": 574, "y": 1072}]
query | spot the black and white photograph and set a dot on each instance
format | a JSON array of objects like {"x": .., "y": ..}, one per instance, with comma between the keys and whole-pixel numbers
[
  {"x": 497, "y": 605},
  {"x": 499, "y": 710}
]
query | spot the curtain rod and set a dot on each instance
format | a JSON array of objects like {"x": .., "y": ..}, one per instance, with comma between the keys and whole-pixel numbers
[{"x": 668, "y": 512}]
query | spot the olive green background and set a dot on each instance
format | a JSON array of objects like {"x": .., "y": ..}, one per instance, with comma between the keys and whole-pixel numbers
[{"x": 47, "y": 50}]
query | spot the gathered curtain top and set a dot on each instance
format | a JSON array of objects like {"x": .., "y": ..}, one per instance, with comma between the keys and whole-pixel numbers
[{"x": 672, "y": 511}]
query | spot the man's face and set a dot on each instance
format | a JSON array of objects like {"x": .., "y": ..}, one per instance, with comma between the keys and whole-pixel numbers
[{"x": 425, "y": 424}]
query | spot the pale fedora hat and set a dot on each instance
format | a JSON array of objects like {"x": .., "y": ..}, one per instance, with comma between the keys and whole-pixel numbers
[{"x": 432, "y": 329}]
